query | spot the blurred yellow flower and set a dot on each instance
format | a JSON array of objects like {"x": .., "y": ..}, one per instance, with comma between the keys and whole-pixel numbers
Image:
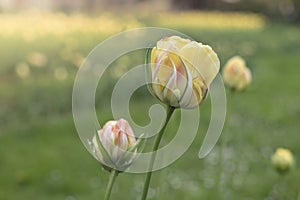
[
  {"x": 181, "y": 71},
  {"x": 22, "y": 69},
  {"x": 37, "y": 59},
  {"x": 235, "y": 73},
  {"x": 34, "y": 25},
  {"x": 283, "y": 160}
]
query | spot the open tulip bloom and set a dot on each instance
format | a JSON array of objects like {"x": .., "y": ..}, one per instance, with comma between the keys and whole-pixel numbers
[{"x": 181, "y": 71}]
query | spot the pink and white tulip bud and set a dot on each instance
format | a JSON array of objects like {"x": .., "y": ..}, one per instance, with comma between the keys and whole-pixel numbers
[
  {"x": 235, "y": 73},
  {"x": 283, "y": 160},
  {"x": 115, "y": 145},
  {"x": 181, "y": 71}
]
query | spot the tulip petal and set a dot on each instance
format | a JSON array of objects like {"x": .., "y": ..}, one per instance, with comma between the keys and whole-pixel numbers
[
  {"x": 172, "y": 80},
  {"x": 173, "y": 42},
  {"x": 199, "y": 92},
  {"x": 161, "y": 71},
  {"x": 123, "y": 141},
  {"x": 170, "y": 87},
  {"x": 95, "y": 148},
  {"x": 188, "y": 88},
  {"x": 129, "y": 133},
  {"x": 148, "y": 71},
  {"x": 105, "y": 137},
  {"x": 190, "y": 52},
  {"x": 204, "y": 61},
  {"x": 106, "y": 157}
]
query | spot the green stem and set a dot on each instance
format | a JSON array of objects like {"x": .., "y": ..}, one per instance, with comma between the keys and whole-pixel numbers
[
  {"x": 112, "y": 178},
  {"x": 155, "y": 147}
]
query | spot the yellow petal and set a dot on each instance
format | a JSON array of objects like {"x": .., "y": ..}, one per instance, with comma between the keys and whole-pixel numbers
[
  {"x": 172, "y": 43},
  {"x": 203, "y": 59}
]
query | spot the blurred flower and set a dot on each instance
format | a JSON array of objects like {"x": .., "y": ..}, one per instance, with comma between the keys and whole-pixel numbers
[
  {"x": 37, "y": 59},
  {"x": 282, "y": 160},
  {"x": 22, "y": 69},
  {"x": 113, "y": 143},
  {"x": 182, "y": 71},
  {"x": 33, "y": 25},
  {"x": 235, "y": 73}
]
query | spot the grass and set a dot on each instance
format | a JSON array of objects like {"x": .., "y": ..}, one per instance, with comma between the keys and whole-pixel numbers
[{"x": 42, "y": 156}]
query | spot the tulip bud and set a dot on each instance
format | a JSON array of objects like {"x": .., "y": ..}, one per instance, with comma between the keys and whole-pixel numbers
[
  {"x": 235, "y": 74},
  {"x": 112, "y": 143},
  {"x": 282, "y": 160},
  {"x": 181, "y": 71}
]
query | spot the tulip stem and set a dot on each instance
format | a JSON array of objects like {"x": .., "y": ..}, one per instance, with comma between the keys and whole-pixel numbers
[
  {"x": 155, "y": 147},
  {"x": 112, "y": 178}
]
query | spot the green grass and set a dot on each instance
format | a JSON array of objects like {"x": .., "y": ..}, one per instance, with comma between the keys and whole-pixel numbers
[{"x": 42, "y": 156}]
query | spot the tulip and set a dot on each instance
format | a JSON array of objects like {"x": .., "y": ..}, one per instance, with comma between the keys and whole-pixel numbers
[
  {"x": 181, "y": 71},
  {"x": 282, "y": 160},
  {"x": 115, "y": 145},
  {"x": 235, "y": 73},
  {"x": 37, "y": 59}
]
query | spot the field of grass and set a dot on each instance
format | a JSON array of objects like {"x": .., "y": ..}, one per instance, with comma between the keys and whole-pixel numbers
[{"x": 42, "y": 156}]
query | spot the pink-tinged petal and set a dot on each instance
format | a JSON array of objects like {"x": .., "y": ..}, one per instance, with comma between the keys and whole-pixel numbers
[
  {"x": 181, "y": 83},
  {"x": 128, "y": 129},
  {"x": 105, "y": 138},
  {"x": 123, "y": 142},
  {"x": 130, "y": 136},
  {"x": 118, "y": 124}
]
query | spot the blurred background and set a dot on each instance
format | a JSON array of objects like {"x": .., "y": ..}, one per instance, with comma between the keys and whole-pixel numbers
[{"x": 42, "y": 45}]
